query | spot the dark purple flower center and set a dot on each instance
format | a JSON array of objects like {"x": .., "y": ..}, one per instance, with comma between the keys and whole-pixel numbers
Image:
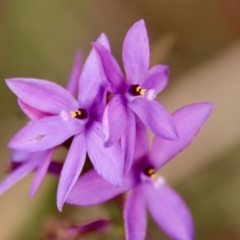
[
  {"x": 79, "y": 114},
  {"x": 136, "y": 90},
  {"x": 149, "y": 171}
]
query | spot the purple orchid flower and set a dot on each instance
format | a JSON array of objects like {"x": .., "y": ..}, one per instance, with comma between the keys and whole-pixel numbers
[
  {"x": 24, "y": 162},
  {"x": 136, "y": 94},
  {"x": 148, "y": 190},
  {"x": 68, "y": 118}
]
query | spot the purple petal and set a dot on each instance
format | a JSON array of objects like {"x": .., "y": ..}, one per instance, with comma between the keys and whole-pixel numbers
[
  {"x": 169, "y": 211},
  {"x": 135, "y": 218},
  {"x": 43, "y": 95},
  {"x": 92, "y": 189},
  {"x": 18, "y": 156},
  {"x": 108, "y": 161},
  {"x": 155, "y": 117},
  {"x": 18, "y": 174},
  {"x": 136, "y": 54},
  {"x": 128, "y": 141},
  {"x": 72, "y": 85},
  {"x": 141, "y": 145},
  {"x": 32, "y": 113},
  {"x": 188, "y": 121},
  {"x": 90, "y": 78},
  {"x": 45, "y": 133},
  {"x": 115, "y": 119},
  {"x": 156, "y": 79},
  {"x": 112, "y": 72},
  {"x": 71, "y": 169},
  {"x": 42, "y": 169},
  {"x": 99, "y": 103}
]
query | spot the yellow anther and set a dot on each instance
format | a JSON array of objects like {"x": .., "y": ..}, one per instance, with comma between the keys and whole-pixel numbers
[
  {"x": 151, "y": 171},
  {"x": 79, "y": 114},
  {"x": 73, "y": 114},
  {"x": 138, "y": 89},
  {"x": 142, "y": 91},
  {"x": 153, "y": 175}
]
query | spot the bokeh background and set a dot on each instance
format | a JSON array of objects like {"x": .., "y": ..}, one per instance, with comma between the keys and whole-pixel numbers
[{"x": 200, "y": 42}]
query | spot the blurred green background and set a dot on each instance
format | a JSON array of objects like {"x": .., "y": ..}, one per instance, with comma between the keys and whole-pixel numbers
[{"x": 198, "y": 39}]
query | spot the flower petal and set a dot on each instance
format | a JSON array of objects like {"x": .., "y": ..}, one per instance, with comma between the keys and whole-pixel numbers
[
  {"x": 45, "y": 133},
  {"x": 141, "y": 145},
  {"x": 108, "y": 161},
  {"x": 128, "y": 141},
  {"x": 114, "y": 119},
  {"x": 135, "y": 53},
  {"x": 32, "y": 113},
  {"x": 92, "y": 189},
  {"x": 90, "y": 78},
  {"x": 43, "y": 95},
  {"x": 135, "y": 218},
  {"x": 19, "y": 156},
  {"x": 99, "y": 103},
  {"x": 72, "y": 85},
  {"x": 157, "y": 78},
  {"x": 112, "y": 72},
  {"x": 71, "y": 169},
  {"x": 188, "y": 121},
  {"x": 42, "y": 169},
  {"x": 155, "y": 117},
  {"x": 18, "y": 174},
  {"x": 169, "y": 211}
]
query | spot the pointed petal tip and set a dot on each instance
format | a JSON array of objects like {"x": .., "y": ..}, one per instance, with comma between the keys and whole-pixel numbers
[
  {"x": 175, "y": 136},
  {"x": 119, "y": 182},
  {"x": 60, "y": 203},
  {"x": 140, "y": 22},
  {"x": 206, "y": 107},
  {"x": 188, "y": 120},
  {"x": 60, "y": 207},
  {"x": 210, "y": 105},
  {"x": 103, "y": 35},
  {"x": 8, "y": 81},
  {"x": 71, "y": 169},
  {"x": 101, "y": 41}
]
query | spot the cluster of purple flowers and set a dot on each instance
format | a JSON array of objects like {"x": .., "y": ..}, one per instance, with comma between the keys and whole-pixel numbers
[{"x": 108, "y": 123}]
